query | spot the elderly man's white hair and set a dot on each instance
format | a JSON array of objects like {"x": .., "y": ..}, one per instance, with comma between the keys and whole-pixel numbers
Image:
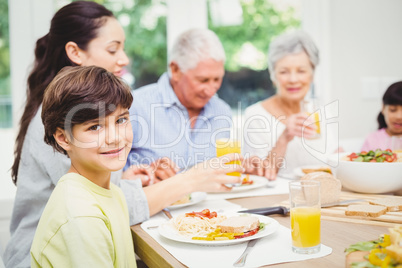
[
  {"x": 291, "y": 43},
  {"x": 196, "y": 45}
]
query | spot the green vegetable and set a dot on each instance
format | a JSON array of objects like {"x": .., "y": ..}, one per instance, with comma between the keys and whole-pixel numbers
[{"x": 363, "y": 246}]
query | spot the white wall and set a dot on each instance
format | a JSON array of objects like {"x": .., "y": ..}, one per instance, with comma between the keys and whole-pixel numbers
[
  {"x": 28, "y": 20},
  {"x": 360, "y": 42}
]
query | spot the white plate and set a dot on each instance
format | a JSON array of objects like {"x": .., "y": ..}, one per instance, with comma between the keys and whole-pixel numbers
[
  {"x": 299, "y": 173},
  {"x": 258, "y": 182},
  {"x": 196, "y": 197},
  {"x": 168, "y": 231}
]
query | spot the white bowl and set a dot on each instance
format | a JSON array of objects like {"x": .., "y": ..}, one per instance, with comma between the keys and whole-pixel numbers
[{"x": 367, "y": 177}]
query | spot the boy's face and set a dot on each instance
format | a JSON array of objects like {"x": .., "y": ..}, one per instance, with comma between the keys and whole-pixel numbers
[{"x": 101, "y": 145}]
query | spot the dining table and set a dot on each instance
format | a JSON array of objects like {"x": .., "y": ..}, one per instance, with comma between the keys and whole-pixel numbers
[{"x": 336, "y": 233}]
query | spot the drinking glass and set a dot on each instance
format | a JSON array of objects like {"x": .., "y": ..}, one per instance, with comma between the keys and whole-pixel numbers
[
  {"x": 396, "y": 144},
  {"x": 229, "y": 146},
  {"x": 312, "y": 108},
  {"x": 305, "y": 216}
]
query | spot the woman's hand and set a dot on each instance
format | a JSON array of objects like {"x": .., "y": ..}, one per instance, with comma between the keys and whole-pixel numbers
[
  {"x": 164, "y": 168},
  {"x": 210, "y": 176},
  {"x": 300, "y": 125},
  {"x": 257, "y": 166},
  {"x": 143, "y": 172}
]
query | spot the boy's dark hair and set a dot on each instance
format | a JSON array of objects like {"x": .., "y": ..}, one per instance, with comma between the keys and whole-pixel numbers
[
  {"x": 393, "y": 96},
  {"x": 79, "y": 94}
]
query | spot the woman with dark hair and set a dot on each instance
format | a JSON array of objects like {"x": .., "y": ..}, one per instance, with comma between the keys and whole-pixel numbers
[
  {"x": 82, "y": 33},
  {"x": 389, "y": 120}
]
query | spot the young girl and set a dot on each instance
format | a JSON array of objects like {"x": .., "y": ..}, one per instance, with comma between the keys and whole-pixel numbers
[
  {"x": 85, "y": 222},
  {"x": 389, "y": 121}
]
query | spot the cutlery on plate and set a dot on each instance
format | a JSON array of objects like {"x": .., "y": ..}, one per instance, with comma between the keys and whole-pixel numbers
[
  {"x": 242, "y": 259},
  {"x": 284, "y": 210},
  {"x": 167, "y": 212}
]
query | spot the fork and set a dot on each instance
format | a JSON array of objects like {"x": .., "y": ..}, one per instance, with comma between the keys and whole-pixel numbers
[{"x": 242, "y": 259}]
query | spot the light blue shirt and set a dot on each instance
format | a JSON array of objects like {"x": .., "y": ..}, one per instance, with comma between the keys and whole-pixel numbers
[{"x": 162, "y": 127}]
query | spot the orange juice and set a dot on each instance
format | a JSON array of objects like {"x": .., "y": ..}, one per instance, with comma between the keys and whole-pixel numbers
[
  {"x": 317, "y": 122},
  {"x": 305, "y": 225},
  {"x": 226, "y": 146}
]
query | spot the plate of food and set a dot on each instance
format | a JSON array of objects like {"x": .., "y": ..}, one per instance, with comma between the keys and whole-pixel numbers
[
  {"x": 208, "y": 228},
  {"x": 303, "y": 170},
  {"x": 248, "y": 182},
  {"x": 188, "y": 200}
]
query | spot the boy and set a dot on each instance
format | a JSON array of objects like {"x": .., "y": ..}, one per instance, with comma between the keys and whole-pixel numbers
[{"x": 85, "y": 222}]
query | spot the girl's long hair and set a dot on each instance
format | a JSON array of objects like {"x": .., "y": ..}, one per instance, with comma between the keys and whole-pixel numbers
[
  {"x": 393, "y": 96},
  {"x": 78, "y": 22}
]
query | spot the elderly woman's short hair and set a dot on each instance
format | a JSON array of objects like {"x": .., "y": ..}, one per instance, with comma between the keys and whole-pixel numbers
[
  {"x": 291, "y": 43},
  {"x": 196, "y": 45}
]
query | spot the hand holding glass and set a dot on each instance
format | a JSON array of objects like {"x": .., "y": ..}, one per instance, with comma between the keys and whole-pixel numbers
[
  {"x": 229, "y": 146},
  {"x": 311, "y": 108}
]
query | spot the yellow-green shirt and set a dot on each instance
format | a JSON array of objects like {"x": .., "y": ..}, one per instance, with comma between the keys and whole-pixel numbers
[{"x": 83, "y": 225}]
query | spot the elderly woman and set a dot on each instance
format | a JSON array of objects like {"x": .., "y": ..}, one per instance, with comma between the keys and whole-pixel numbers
[{"x": 273, "y": 127}]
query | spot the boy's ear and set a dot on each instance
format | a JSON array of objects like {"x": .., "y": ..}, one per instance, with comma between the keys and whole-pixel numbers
[
  {"x": 175, "y": 71},
  {"x": 74, "y": 53},
  {"x": 62, "y": 139}
]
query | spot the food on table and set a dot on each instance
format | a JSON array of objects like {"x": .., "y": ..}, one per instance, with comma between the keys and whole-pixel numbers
[
  {"x": 377, "y": 156},
  {"x": 365, "y": 210},
  {"x": 185, "y": 199},
  {"x": 207, "y": 225},
  {"x": 239, "y": 224},
  {"x": 234, "y": 228},
  {"x": 197, "y": 223},
  {"x": 330, "y": 186},
  {"x": 318, "y": 169},
  {"x": 392, "y": 203},
  {"x": 383, "y": 252},
  {"x": 246, "y": 180}
]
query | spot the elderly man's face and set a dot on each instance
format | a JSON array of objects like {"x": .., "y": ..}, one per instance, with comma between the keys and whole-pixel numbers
[{"x": 195, "y": 87}]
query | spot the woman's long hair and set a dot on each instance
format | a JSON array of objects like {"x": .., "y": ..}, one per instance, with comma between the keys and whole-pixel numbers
[
  {"x": 77, "y": 22},
  {"x": 393, "y": 96}
]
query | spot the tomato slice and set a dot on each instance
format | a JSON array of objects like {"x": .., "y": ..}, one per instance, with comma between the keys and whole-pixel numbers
[
  {"x": 389, "y": 150},
  {"x": 205, "y": 213},
  {"x": 250, "y": 233},
  {"x": 389, "y": 158}
]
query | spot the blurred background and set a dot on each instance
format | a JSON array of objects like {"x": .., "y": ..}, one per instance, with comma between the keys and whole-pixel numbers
[{"x": 359, "y": 43}]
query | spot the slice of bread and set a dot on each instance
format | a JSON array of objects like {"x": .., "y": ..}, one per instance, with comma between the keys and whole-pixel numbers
[
  {"x": 323, "y": 169},
  {"x": 392, "y": 203},
  {"x": 239, "y": 224},
  {"x": 330, "y": 186},
  {"x": 365, "y": 210}
]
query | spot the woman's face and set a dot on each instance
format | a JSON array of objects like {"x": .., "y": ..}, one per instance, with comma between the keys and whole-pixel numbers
[
  {"x": 107, "y": 50},
  {"x": 393, "y": 118},
  {"x": 293, "y": 76}
]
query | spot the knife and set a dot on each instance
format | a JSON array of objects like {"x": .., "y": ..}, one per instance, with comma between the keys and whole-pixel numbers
[{"x": 284, "y": 210}]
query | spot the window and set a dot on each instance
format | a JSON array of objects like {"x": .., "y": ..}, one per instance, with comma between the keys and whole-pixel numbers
[
  {"x": 5, "y": 88},
  {"x": 246, "y": 28}
]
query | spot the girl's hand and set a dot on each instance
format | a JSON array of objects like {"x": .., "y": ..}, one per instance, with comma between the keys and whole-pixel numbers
[{"x": 210, "y": 176}]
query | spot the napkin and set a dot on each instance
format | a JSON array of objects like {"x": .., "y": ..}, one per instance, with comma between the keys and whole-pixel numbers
[
  {"x": 279, "y": 186},
  {"x": 275, "y": 248}
]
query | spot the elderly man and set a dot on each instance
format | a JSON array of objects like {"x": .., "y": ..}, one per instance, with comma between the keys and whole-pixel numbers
[{"x": 177, "y": 120}]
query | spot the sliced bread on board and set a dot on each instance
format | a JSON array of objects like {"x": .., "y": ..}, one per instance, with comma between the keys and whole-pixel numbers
[
  {"x": 392, "y": 203},
  {"x": 330, "y": 186},
  {"x": 366, "y": 210}
]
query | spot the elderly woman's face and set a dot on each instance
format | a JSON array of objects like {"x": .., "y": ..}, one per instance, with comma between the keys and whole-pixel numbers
[{"x": 293, "y": 76}]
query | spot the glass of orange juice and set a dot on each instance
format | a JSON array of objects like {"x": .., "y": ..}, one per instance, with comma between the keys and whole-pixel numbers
[
  {"x": 229, "y": 146},
  {"x": 305, "y": 216},
  {"x": 312, "y": 108}
]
